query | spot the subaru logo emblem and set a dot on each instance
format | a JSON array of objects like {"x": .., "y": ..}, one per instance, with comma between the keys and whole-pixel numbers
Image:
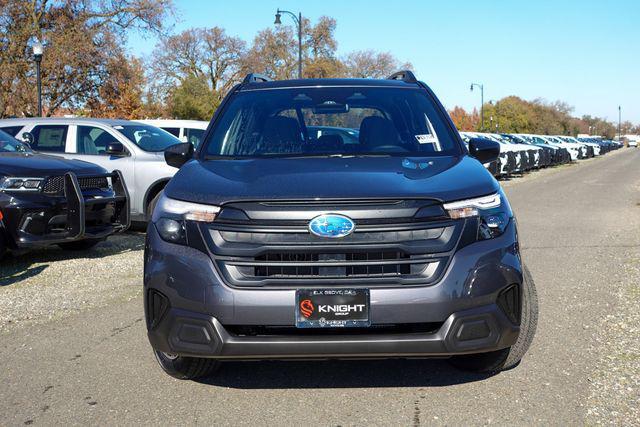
[{"x": 331, "y": 225}]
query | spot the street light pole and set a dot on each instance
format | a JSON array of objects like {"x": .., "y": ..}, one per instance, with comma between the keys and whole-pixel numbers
[
  {"x": 619, "y": 122},
  {"x": 37, "y": 56},
  {"x": 481, "y": 86},
  {"x": 298, "y": 20}
]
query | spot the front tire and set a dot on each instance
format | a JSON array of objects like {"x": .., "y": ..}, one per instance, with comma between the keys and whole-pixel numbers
[
  {"x": 152, "y": 205},
  {"x": 186, "y": 368},
  {"x": 507, "y": 358}
]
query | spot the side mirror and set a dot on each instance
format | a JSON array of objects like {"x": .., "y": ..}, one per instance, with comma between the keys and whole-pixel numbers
[
  {"x": 27, "y": 138},
  {"x": 179, "y": 154},
  {"x": 115, "y": 149},
  {"x": 485, "y": 150}
]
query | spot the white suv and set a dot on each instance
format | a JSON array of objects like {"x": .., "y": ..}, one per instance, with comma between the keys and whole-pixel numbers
[{"x": 135, "y": 149}]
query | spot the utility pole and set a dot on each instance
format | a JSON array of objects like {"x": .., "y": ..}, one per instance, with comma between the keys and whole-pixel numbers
[
  {"x": 38, "y": 50},
  {"x": 297, "y": 20},
  {"x": 481, "y": 86},
  {"x": 619, "y": 123}
]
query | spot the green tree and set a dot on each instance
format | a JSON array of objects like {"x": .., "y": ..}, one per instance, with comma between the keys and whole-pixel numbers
[{"x": 192, "y": 99}]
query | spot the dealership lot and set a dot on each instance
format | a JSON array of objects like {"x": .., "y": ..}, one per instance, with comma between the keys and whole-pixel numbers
[{"x": 74, "y": 347}]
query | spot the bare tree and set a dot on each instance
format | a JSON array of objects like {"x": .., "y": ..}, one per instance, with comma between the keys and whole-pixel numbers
[
  {"x": 370, "y": 64},
  {"x": 273, "y": 53},
  {"x": 207, "y": 53},
  {"x": 121, "y": 95}
]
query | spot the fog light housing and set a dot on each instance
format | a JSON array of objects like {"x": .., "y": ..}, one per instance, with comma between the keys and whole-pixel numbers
[
  {"x": 492, "y": 225},
  {"x": 171, "y": 230}
]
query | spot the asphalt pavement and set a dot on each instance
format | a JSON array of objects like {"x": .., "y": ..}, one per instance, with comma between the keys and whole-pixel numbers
[{"x": 88, "y": 360}]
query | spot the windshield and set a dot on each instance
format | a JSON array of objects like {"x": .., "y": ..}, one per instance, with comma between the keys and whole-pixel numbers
[
  {"x": 9, "y": 144},
  {"x": 148, "y": 138},
  {"x": 331, "y": 121}
]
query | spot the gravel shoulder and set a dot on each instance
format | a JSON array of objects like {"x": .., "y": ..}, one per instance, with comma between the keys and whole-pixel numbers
[{"x": 50, "y": 284}]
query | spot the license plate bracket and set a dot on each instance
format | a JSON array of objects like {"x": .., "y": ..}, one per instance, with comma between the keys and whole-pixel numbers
[{"x": 332, "y": 308}]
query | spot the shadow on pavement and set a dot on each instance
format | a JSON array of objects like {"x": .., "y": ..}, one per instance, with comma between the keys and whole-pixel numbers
[
  {"x": 340, "y": 374},
  {"x": 15, "y": 268}
]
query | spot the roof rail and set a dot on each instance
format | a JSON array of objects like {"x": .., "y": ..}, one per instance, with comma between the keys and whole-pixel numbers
[
  {"x": 406, "y": 76},
  {"x": 256, "y": 78}
]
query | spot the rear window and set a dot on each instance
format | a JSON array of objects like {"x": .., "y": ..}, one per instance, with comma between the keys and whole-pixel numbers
[{"x": 331, "y": 121}]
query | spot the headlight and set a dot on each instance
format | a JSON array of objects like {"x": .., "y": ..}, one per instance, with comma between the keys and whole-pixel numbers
[
  {"x": 170, "y": 216},
  {"x": 20, "y": 184},
  {"x": 492, "y": 211}
]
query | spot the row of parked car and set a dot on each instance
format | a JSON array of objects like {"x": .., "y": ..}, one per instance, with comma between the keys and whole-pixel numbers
[{"x": 520, "y": 153}]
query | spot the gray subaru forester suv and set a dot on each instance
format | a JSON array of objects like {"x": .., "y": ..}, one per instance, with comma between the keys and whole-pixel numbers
[{"x": 334, "y": 218}]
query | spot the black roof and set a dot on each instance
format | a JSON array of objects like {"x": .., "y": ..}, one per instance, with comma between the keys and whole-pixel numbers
[{"x": 326, "y": 82}]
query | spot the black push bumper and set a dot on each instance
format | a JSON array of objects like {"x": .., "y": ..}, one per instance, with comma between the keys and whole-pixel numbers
[{"x": 37, "y": 219}]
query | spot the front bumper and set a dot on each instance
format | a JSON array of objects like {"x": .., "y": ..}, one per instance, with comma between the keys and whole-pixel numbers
[
  {"x": 475, "y": 330},
  {"x": 35, "y": 219},
  {"x": 190, "y": 311}
]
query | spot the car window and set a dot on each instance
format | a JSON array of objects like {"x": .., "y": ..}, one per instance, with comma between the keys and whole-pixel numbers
[
  {"x": 173, "y": 131},
  {"x": 50, "y": 138},
  {"x": 93, "y": 140},
  {"x": 331, "y": 120},
  {"x": 194, "y": 136},
  {"x": 8, "y": 144},
  {"x": 148, "y": 138},
  {"x": 11, "y": 130}
]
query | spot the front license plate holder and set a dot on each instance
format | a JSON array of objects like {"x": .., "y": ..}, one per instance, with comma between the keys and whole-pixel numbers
[{"x": 332, "y": 308}]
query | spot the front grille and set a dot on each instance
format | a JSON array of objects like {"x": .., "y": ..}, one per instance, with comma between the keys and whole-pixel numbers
[
  {"x": 55, "y": 184},
  {"x": 269, "y": 244},
  {"x": 354, "y": 264}
]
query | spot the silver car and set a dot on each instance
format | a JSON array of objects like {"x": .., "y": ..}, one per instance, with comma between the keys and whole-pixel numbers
[{"x": 135, "y": 149}]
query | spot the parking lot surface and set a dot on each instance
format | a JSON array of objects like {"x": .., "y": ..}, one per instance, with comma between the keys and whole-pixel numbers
[{"x": 74, "y": 349}]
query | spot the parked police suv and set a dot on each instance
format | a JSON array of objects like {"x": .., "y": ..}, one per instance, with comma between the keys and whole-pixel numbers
[
  {"x": 274, "y": 242},
  {"x": 48, "y": 200}
]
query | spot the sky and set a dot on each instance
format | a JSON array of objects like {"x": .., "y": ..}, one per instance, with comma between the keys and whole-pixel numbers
[{"x": 586, "y": 53}]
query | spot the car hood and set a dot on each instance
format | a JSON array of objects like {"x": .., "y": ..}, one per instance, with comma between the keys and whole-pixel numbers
[
  {"x": 221, "y": 181},
  {"x": 42, "y": 165}
]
